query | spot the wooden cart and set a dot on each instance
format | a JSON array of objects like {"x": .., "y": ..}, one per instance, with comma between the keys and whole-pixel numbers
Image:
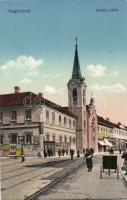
[{"x": 109, "y": 163}]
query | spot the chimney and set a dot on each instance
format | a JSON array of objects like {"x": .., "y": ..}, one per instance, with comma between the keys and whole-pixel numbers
[
  {"x": 40, "y": 94},
  {"x": 108, "y": 119},
  {"x": 16, "y": 89}
]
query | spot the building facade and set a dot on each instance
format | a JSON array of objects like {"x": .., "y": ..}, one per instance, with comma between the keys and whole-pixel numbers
[
  {"x": 111, "y": 135},
  {"x": 36, "y": 123}
]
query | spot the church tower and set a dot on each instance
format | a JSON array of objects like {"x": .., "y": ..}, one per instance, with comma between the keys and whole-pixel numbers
[{"x": 77, "y": 102}]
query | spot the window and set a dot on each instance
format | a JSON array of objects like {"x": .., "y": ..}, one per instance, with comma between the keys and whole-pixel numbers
[
  {"x": 28, "y": 114},
  {"x": 47, "y": 115},
  {"x": 60, "y": 119},
  {"x": 53, "y": 117},
  {"x": 69, "y": 122},
  {"x": 53, "y": 138},
  {"x": 84, "y": 123},
  {"x": 1, "y": 139},
  {"x": 70, "y": 139},
  {"x": 83, "y": 96},
  {"x": 13, "y": 115},
  {"x": 1, "y": 116},
  {"x": 74, "y": 140},
  {"x": 60, "y": 138},
  {"x": 65, "y": 120},
  {"x": 74, "y": 123},
  {"x": 20, "y": 139},
  {"x": 65, "y": 139},
  {"x": 28, "y": 138},
  {"x": 74, "y": 94},
  {"x": 47, "y": 137},
  {"x": 13, "y": 138}
]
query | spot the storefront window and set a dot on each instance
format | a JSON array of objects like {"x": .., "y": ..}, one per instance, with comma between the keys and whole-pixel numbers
[
  {"x": 1, "y": 139},
  {"x": 28, "y": 138},
  {"x": 13, "y": 138}
]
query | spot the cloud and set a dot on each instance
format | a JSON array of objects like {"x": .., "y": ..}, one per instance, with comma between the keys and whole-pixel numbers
[
  {"x": 114, "y": 74},
  {"x": 32, "y": 73},
  {"x": 51, "y": 75},
  {"x": 23, "y": 61},
  {"x": 117, "y": 88},
  {"x": 25, "y": 81},
  {"x": 51, "y": 90},
  {"x": 96, "y": 70}
]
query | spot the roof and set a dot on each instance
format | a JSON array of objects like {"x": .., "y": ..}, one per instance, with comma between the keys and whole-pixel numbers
[
  {"x": 104, "y": 122},
  {"x": 29, "y": 99},
  {"x": 76, "y": 74}
]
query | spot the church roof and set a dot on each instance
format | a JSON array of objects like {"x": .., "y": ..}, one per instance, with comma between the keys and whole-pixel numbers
[{"x": 76, "y": 74}]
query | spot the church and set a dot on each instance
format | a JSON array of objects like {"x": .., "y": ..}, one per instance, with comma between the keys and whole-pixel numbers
[
  {"x": 36, "y": 124},
  {"x": 86, "y": 124}
]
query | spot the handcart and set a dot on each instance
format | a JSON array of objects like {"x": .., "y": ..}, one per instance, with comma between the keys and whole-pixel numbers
[{"x": 109, "y": 163}]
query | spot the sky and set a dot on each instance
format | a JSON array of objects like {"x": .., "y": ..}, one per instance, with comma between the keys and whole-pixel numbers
[{"x": 37, "y": 44}]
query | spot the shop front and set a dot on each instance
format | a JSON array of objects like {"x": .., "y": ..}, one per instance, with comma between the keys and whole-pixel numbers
[{"x": 49, "y": 148}]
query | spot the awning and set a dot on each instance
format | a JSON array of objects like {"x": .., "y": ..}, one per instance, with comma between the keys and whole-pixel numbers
[
  {"x": 101, "y": 142},
  {"x": 107, "y": 143}
]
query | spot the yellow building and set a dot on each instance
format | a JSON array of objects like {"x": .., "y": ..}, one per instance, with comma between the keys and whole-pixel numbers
[{"x": 105, "y": 134}]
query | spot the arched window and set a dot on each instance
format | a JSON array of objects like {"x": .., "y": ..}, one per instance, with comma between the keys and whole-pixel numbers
[
  {"x": 83, "y": 96},
  {"x": 74, "y": 94}
]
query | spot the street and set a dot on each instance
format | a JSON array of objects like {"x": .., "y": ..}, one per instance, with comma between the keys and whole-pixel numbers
[
  {"x": 21, "y": 180},
  {"x": 88, "y": 185}
]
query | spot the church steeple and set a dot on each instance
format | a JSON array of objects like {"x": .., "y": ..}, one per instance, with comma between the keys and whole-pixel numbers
[{"x": 76, "y": 74}]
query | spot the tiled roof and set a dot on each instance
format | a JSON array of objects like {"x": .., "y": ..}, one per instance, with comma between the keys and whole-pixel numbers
[
  {"x": 15, "y": 98},
  {"x": 105, "y": 122},
  {"x": 29, "y": 98}
]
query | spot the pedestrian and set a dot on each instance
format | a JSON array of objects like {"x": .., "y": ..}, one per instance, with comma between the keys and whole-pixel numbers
[
  {"x": 71, "y": 153},
  {"x": 59, "y": 152},
  {"x": 49, "y": 152},
  {"x": 92, "y": 150},
  {"x": 63, "y": 152},
  {"x": 124, "y": 156},
  {"x": 120, "y": 150},
  {"x": 22, "y": 157},
  {"x": 66, "y": 151},
  {"x": 89, "y": 162},
  {"x": 111, "y": 151}
]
